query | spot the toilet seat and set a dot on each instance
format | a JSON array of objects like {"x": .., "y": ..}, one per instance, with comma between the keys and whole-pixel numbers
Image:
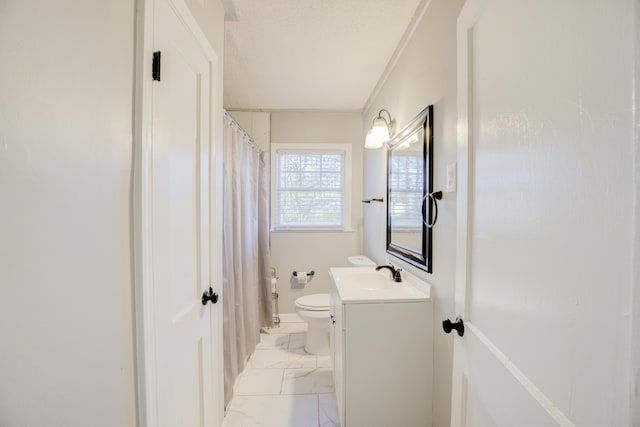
[{"x": 313, "y": 302}]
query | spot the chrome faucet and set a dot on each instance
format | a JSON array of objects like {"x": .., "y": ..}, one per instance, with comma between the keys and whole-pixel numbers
[{"x": 395, "y": 272}]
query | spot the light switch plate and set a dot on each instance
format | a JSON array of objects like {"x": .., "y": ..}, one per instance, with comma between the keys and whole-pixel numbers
[{"x": 452, "y": 177}]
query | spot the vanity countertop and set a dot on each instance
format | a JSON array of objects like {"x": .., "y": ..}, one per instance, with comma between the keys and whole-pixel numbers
[{"x": 366, "y": 285}]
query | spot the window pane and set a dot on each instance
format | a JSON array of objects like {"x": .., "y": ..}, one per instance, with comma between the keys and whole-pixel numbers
[
  {"x": 310, "y": 180},
  {"x": 309, "y": 208},
  {"x": 312, "y": 162},
  {"x": 331, "y": 180},
  {"x": 289, "y": 180},
  {"x": 309, "y": 189},
  {"x": 406, "y": 181},
  {"x": 289, "y": 161},
  {"x": 406, "y": 209},
  {"x": 332, "y": 162}
]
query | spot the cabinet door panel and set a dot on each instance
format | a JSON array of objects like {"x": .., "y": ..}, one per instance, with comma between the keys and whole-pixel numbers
[{"x": 388, "y": 364}]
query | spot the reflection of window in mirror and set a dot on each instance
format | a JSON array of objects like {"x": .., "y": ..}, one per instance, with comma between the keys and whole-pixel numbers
[
  {"x": 406, "y": 186},
  {"x": 409, "y": 180}
]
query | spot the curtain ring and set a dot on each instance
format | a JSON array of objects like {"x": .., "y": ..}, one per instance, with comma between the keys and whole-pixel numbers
[{"x": 436, "y": 195}]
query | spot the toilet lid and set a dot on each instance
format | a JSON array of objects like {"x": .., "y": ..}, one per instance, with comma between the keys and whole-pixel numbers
[{"x": 314, "y": 302}]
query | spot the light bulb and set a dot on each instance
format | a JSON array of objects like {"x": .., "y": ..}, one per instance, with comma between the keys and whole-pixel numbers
[{"x": 378, "y": 134}]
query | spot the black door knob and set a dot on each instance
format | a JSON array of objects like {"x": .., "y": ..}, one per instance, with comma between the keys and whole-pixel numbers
[
  {"x": 210, "y": 296},
  {"x": 458, "y": 325}
]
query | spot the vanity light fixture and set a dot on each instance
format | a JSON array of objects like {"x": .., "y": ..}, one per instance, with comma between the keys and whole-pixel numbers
[{"x": 379, "y": 132}]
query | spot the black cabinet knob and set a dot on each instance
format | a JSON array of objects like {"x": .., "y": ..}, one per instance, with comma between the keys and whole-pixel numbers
[
  {"x": 458, "y": 325},
  {"x": 210, "y": 296}
]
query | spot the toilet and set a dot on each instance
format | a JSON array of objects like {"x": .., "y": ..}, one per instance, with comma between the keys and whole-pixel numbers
[{"x": 314, "y": 309}]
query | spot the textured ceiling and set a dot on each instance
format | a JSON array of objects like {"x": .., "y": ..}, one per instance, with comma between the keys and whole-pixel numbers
[{"x": 309, "y": 54}]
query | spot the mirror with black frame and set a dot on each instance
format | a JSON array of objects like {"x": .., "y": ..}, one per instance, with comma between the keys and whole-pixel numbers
[{"x": 409, "y": 183}]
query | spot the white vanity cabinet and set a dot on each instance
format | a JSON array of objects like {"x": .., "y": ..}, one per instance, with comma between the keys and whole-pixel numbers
[{"x": 382, "y": 357}]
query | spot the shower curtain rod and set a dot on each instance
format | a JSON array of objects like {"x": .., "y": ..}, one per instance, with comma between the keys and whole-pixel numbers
[{"x": 251, "y": 141}]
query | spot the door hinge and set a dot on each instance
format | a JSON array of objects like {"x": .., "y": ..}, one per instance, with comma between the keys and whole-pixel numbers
[{"x": 156, "y": 66}]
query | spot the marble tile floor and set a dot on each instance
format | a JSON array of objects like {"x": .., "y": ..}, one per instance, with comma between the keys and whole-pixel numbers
[{"x": 282, "y": 386}]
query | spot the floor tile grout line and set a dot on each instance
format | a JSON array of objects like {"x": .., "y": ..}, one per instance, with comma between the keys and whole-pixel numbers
[
  {"x": 282, "y": 381},
  {"x": 317, "y": 394}
]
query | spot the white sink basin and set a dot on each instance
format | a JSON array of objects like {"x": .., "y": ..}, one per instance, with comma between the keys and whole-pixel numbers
[
  {"x": 370, "y": 281},
  {"x": 365, "y": 284}
]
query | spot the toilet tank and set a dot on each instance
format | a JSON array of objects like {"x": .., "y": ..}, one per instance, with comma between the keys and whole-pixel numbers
[{"x": 360, "y": 261}]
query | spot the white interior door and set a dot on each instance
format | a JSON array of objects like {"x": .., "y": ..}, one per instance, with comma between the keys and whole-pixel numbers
[
  {"x": 542, "y": 280},
  {"x": 180, "y": 218}
]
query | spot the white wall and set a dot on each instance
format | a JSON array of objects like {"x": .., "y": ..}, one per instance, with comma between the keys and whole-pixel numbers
[
  {"x": 425, "y": 73},
  {"x": 66, "y": 292},
  {"x": 66, "y": 314},
  {"x": 317, "y": 251}
]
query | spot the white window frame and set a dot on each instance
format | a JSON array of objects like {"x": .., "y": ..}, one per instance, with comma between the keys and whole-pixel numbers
[{"x": 313, "y": 148}]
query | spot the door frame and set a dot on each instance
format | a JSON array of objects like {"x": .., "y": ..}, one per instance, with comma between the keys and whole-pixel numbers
[
  {"x": 467, "y": 18},
  {"x": 141, "y": 184}
]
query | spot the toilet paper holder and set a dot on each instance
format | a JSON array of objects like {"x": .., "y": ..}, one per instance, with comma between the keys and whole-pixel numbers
[{"x": 309, "y": 274}]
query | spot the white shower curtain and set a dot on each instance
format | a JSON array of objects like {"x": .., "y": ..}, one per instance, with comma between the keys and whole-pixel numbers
[{"x": 246, "y": 257}]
